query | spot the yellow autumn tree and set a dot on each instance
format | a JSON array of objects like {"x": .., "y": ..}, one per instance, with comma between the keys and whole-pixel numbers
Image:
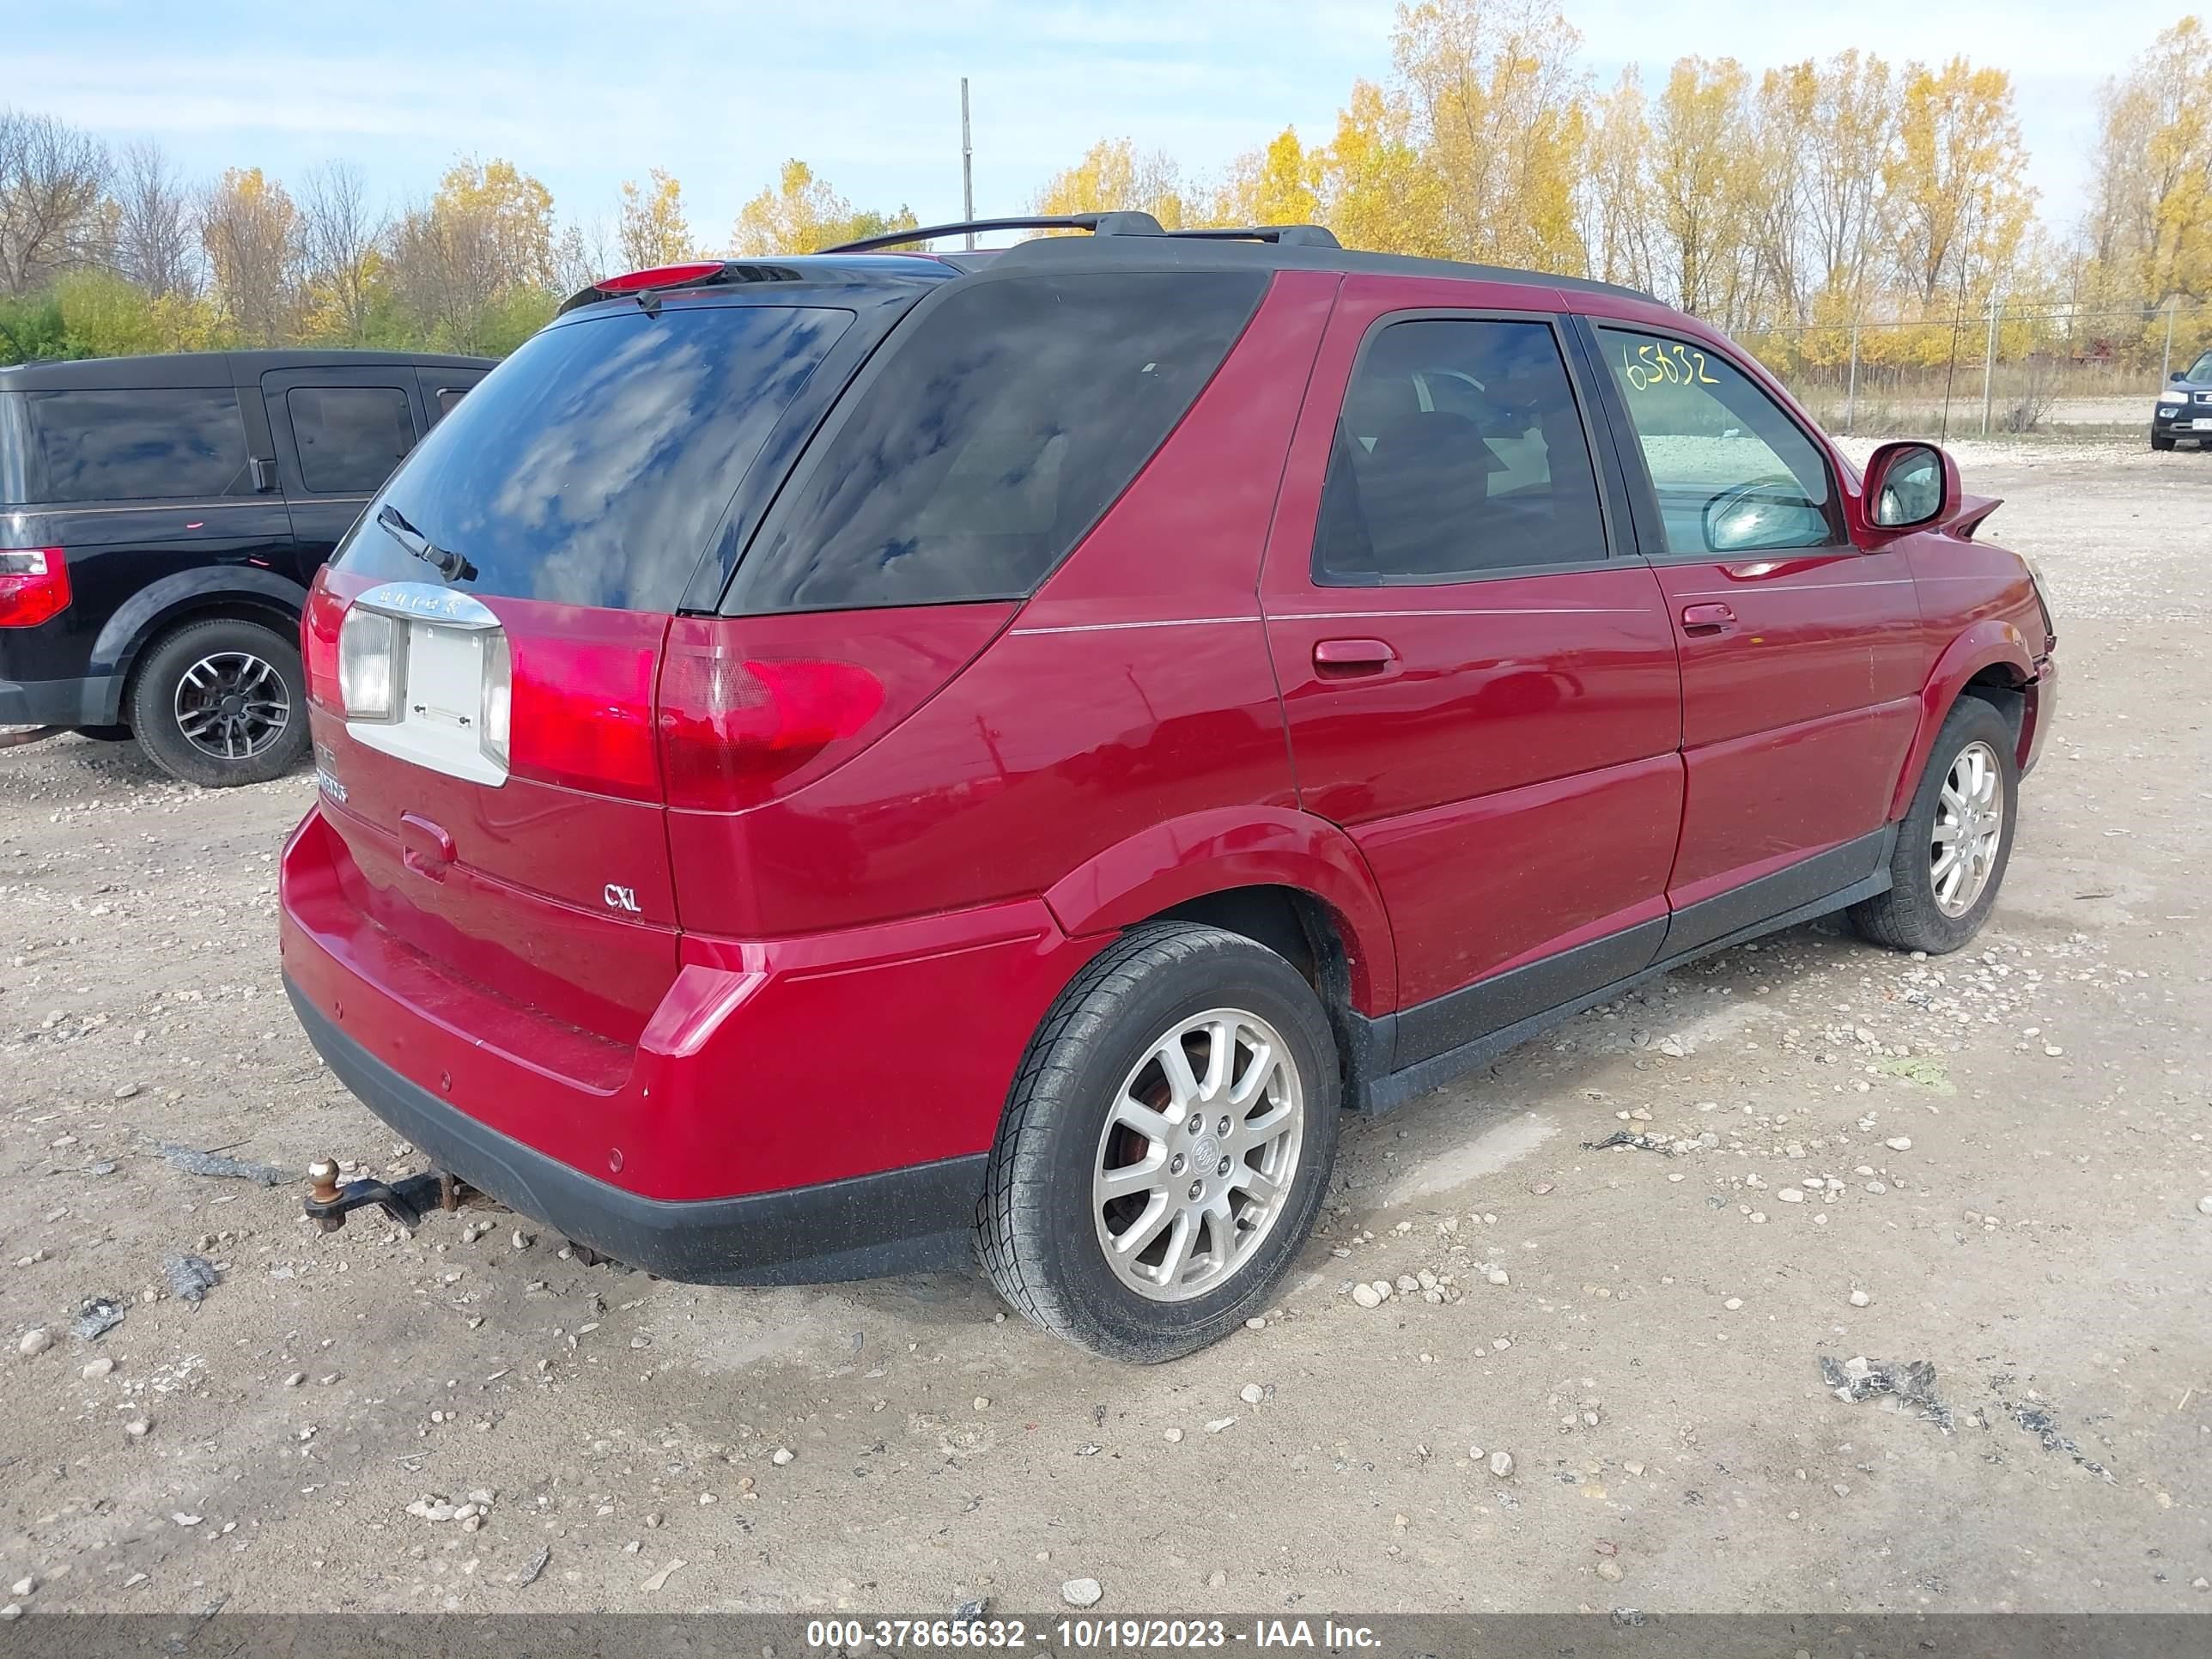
[
  {"x": 2149, "y": 224},
  {"x": 1275, "y": 185},
  {"x": 250, "y": 231},
  {"x": 803, "y": 215},
  {"x": 1498, "y": 95},
  {"x": 1697, "y": 185},
  {"x": 1375, "y": 192},
  {"x": 652, "y": 231},
  {"x": 1953, "y": 180},
  {"x": 1114, "y": 178}
]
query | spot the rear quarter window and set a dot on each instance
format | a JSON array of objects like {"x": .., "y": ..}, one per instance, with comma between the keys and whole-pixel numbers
[
  {"x": 1006, "y": 418},
  {"x": 592, "y": 466},
  {"x": 172, "y": 443}
]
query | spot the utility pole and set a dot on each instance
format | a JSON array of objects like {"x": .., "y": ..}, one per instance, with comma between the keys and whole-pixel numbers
[
  {"x": 1851, "y": 388},
  {"x": 2166, "y": 361},
  {"x": 1990, "y": 360},
  {"x": 967, "y": 166}
]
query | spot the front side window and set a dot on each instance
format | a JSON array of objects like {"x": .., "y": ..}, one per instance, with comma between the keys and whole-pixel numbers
[
  {"x": 1460, "y": 451},
  {"x": 1732, "y": 473},
  {"x": 998, "y": 433},
  {"x": 177, "y": 443},
  {"x": 350, "y": 437}
]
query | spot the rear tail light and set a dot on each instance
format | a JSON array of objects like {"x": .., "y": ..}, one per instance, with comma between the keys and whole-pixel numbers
[
  {"x": 318, "y": 643},
  {"x": 636, "y": 282},
  {"x": 498, "y": 698},
  {"x": 34, "y": 586},
  {"x": 370, "y": 645},
  {"x": 732, "y": 727}
]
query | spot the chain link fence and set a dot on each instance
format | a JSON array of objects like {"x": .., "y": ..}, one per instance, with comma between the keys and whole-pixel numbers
[{"x": 2005, "y": 370}]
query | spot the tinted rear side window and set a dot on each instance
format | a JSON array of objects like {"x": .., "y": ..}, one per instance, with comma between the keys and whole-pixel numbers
[
  {"x": 176, "y": 443},
  {"x": 592, "y": 466},
  {"x": 350, "y": 437},
  {"x": 994, "y": 437}
]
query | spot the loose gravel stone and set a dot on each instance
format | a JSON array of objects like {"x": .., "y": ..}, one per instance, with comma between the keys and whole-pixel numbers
[
  {"x": 1251, "y": 1394},
  {"x": 1366, "y": 1296},
  {"x": 1501, "y": 1465},
  {"x": 1081, "y": 1592},
  {"x": 1899, "y": 1143},
  {"x": 1861, "y": 1299},
  {"x": 34, "y": 1342},
  {"x": 96, "y": 1369}
]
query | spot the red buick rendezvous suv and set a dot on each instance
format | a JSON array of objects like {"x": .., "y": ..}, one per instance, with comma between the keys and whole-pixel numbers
[{"x": 830, "y": 764}]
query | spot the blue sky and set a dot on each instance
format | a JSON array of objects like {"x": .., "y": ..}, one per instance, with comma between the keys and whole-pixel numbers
[{"x": 585, "y": 95}]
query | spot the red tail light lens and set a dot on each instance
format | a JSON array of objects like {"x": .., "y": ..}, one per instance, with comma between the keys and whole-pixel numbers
[
  {"x": 34, "y": 586},
  {"x": 318, "y": 645},
  {"x": 731, "y": 727}
]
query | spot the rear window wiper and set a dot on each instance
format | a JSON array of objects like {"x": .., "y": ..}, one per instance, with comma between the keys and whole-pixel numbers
[{"x": 449, "y": 564}]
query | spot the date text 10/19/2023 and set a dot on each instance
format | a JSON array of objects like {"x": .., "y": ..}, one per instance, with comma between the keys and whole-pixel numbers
[{"x": 1082, "y": 1635}]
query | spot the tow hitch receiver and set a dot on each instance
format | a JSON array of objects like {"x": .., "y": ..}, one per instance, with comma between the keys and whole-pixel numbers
[{"x": 407, "y": 1201}]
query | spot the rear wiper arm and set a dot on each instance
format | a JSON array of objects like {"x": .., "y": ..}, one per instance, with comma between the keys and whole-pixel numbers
[{"x": 450, "y": 565}]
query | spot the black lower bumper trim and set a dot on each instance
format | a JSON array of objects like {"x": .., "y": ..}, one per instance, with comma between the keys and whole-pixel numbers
[
  {"x": 95, "y": 701},
  {"x": 910, "y": 1220}
]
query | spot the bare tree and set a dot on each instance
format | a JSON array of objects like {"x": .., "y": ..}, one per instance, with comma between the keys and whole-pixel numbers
[
  {"x": 250, "y": 231},
  {"x": 53, "y": 187},
  {"x": 340, "y": 235},
  {"x": 156, "y": 247}
]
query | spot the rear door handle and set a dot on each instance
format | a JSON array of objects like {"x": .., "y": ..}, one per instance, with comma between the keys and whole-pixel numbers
[
  {"x": 1707, "y": 619},
  {"x": 1352, "y": 659}
]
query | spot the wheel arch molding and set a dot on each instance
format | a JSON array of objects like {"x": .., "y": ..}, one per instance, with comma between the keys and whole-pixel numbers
[
  {"x": 251, "y": 595},
  {"x": 1201, "y": 854},
  {"x": 1990, "y": 643}
]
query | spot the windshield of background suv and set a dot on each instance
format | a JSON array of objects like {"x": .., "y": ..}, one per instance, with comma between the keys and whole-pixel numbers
[
  {"x": 2201, "y": 370},
  {"x": 592, "y": 466}
]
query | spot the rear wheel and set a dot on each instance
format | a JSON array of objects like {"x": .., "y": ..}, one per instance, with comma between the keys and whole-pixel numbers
[
  {"x": 1955, "y": 840},
  {"x": 222, "y": 702},
  {"x": 1166, "y": 1144}
]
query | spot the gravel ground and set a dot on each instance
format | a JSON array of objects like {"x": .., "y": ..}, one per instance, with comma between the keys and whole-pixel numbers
[{"x": 1603, "y": 1387}]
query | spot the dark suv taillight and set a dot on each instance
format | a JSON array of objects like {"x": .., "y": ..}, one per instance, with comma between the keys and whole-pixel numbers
[{"x": 34, "y": 586}]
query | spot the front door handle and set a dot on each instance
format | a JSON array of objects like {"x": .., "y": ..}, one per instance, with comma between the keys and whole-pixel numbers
[
  {"x": 1707, "y": 619},
  {"x": 1352, "y": 659}
]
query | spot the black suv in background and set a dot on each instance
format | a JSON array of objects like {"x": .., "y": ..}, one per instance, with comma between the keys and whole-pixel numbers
[{"x": 161, "y": 519}]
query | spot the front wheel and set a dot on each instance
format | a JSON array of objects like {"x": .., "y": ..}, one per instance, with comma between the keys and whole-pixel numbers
[
  {"x": 1166, "y": 1144},
  {"x": 1955, "y": 840},
  {"x": 2161, "y": 441},
  {"x": 222, "y": 702}
]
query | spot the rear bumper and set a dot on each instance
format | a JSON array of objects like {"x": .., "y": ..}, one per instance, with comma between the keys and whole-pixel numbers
[
  {"x": 896, "y": 1221},
  {"x": 94, "y": 701},
  {"x": 2041, "y": 709},
  {"x": 801, "y": 1108}
]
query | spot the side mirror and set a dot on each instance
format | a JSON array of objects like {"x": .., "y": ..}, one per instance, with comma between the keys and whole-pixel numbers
[
  {"x": 1909, "y": 485},
  {"x": 2176, "y": 374}
]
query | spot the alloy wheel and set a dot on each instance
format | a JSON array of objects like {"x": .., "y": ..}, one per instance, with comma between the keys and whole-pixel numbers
[
  {"x": 232, "y": 705},
  {"x": 1969, "y": 829},
  {"x": 1198, "y": 1156}
]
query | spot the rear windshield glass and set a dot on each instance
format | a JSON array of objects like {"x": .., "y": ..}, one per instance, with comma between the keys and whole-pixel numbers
[
  {"x": 593, "y": 466},
  {"x": 179, "y": 443},
  {"x": 996, "y": 434}
]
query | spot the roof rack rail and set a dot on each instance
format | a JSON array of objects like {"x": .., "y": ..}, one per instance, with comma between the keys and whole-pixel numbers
[
  {"x": 1099, "y": 224},
  {"x": 1288, "y": 235}
]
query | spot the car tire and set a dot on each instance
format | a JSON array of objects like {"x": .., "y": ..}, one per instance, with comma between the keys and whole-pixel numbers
[
  {"x": 1971, "y": 770},
  {"x": 247, "y": 695},
  {"x": 2161, "y": 441},
  {"x": 104, "y": 733},
  {"x": 1057, "y": 1238}
]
